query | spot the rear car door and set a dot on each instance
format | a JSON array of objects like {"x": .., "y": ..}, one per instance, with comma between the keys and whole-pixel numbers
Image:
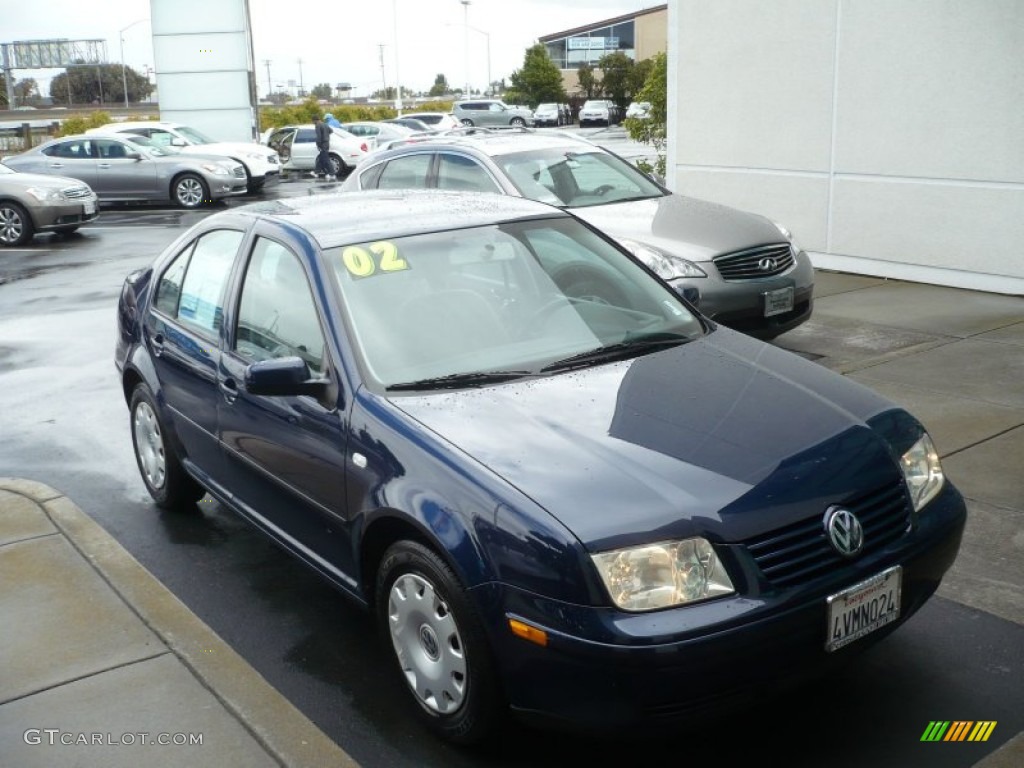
[
  {"x": 73, "y": 158},
  {"x": 304, "y": 149},
  {"x": 183, "y": 331},
  {"x": 284, "y": 456},
  {"x": 281, "y": 142}
]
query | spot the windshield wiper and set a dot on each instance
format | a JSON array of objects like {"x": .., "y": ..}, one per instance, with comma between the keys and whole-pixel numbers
[
  {"x": 623, "y": 349},
  {"x": 457, "y": 380}
]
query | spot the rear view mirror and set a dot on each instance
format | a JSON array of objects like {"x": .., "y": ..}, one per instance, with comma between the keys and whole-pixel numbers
[{"x": 688, "y": 292}]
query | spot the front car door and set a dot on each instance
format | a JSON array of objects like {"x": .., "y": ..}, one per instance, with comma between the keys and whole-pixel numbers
[
  {"x": 281, "y": 142},
  {"x": 122, "y": 176},
  {"x": 183, "y": 332},
  {"x": 285, "y": 456}
]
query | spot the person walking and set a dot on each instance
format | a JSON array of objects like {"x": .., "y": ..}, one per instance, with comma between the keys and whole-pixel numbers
[{"x": 323, "y": 167}]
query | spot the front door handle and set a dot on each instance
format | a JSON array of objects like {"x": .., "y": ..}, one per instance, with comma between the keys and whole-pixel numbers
[
  {"x": 158, "y": 344},
  {"x": 56, "y": 165},
  {"x": 103, "y": 165},
  {"x": 229, "y": 388}
]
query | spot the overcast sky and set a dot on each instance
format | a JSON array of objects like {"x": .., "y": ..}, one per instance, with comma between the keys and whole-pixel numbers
[{"x": 337, "y": 41}]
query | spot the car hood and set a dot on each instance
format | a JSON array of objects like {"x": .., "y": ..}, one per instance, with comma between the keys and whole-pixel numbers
[
  {"x": 724, "y": 436},
  {"x": 45, "y": 181},
  {"x": 233, "y": 148},
  {"x": 683, "y": 226}
]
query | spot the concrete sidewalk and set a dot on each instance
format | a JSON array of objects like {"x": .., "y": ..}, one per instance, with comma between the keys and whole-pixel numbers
[{"x": 100, "y": 665}]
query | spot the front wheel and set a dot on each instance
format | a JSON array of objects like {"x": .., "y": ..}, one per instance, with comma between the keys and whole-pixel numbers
[
  {"x": 166, "y": 480},
  {"x": 189, "y": 191},
  {"x": 467, "y": 122},
  {"x": 438, "y": 643},
  {"x": 518, "y": 122},
  {"x": 15, "y": 224}
]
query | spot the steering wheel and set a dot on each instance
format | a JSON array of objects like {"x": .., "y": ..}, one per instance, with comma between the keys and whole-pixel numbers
[
  {"x": 546, "y": 310},
  {"x": 604, "y": 189}
]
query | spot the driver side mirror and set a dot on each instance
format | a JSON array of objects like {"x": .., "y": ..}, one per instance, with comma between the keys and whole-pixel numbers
[
  {"x": 176, "y": 142},
  {"x": 133, "y": 156},
  {"x": 282, "y": 377}
]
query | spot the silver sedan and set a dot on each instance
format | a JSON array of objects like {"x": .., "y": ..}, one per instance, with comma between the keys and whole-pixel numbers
[
  {"x": 119, "y": 169},
  {"x": 31, "y": 203}
]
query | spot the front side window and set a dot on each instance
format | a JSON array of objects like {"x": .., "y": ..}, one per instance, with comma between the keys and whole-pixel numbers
[
  {"x": 201, "y": 306},
  {"x": 501, "y": 300},
  {"x": 160, "y": 138},
  {"x": 460, "y": 172},
  {"x": 277, "y": 316}
]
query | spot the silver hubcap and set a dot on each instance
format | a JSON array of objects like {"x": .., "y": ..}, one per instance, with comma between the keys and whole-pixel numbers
[
  {"x": 149, "y": 445},
  {"x": 427, "y": 643},
  {"x": 11, "y": 225},
  {"x": 190, "y": 192}
]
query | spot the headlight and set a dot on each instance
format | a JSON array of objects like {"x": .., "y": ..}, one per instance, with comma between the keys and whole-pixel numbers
[
  {"x": 216, "y": 170},
  {"x": 662, "y": 575},
  {"x": 46, "y": 195},
  {"x": 665, "y": 265},
  {"x": 922, "y": 472},
  {"x": 786, "y": 234}
]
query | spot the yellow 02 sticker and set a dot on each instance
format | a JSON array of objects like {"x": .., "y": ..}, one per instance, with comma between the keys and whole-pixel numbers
[{"x": 380, "y": 256}]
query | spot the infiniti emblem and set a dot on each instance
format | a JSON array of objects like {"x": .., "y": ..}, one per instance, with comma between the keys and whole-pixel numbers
[
  {"x": 767, "y": 264},
  {"x": 844, "y": 531}
]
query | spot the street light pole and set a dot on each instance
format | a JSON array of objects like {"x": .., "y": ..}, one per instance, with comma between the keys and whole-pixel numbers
[
  {"x": 398, "y": 78},
  {"x": 270, "y": 86},
  {"x": 124, "y": 76},
  {"x": 465, "y": 22}
]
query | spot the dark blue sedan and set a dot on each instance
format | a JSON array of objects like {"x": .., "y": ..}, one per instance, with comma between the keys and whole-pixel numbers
[{"x": 559, "y": 488}]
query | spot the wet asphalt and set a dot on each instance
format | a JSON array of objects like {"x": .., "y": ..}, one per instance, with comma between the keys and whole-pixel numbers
[{"x": 63, "y": 421}]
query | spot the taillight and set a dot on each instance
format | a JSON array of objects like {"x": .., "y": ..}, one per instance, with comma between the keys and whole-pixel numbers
[{"x": 363, "y": 147}]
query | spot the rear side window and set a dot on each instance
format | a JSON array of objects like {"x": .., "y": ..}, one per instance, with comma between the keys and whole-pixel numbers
[
  {"x": 192, "y": 288},
  {"x": 409, "y": 172}
]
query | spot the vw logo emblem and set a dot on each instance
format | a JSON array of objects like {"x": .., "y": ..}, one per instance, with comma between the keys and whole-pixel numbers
[
  {"x": 767, "y": 264},
  {"x": 429, "y": 643},
  {"x": 844, "y": 531}
]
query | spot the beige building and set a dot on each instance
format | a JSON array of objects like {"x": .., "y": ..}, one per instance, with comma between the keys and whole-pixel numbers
[
  {"x": 639, "y": 35},
  {"x": 889, "y": 136}
]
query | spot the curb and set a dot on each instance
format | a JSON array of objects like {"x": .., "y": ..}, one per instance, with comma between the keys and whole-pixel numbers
[{"x": 288, "y": 735}]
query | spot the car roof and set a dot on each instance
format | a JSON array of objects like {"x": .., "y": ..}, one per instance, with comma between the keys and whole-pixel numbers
[
  {"x": 502, "y": 142},
  {"x": 376, "y": 214}
]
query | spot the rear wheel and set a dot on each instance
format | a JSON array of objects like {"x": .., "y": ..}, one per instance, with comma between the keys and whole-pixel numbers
[
  {"x": 338, "y": 167},
  {"x": 15, "y": 224},
  {"x": 166, "y": 480},
  {"x": 438, "y": 643},
  {"x": 189, "y": 191}
]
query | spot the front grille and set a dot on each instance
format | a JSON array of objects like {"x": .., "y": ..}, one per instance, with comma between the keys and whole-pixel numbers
[
  {"x": 239, "y": 172},
  {"x": 801, "y": 552},
  {"x": 76, "y": 192},
  {"x": 754, "y": 263}
]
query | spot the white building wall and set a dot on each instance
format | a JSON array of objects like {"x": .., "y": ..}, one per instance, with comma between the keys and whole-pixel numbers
[{"x": 889, "y": 136}]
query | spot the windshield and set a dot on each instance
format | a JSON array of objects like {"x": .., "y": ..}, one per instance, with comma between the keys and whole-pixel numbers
[
  {"x": 148, "y": 147},
  {"x": 4, "y": 169},
  {"x": 576, "y": 179},
  {"x": 489, "y": 303},
  {"x": 194, "y": 136}
]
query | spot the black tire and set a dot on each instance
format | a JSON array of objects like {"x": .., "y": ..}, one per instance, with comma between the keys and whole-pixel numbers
[
  {"x": 166, "y": 480},
  {"x": 16, "y": 226},
  {"x": 518, "y": 122},
  {"x": 189, "y": 191},
  {"x": 469, "y": 705},
  {"x": 467, "y": 122},
  {"x": 338, "y": 167}
]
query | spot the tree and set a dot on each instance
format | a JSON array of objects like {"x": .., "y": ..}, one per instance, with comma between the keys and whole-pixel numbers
[
  {"x": 638, "y": 76},
  {"x": 539, "y": 80},
  {"x": 589, "y": 85},
  {"x": 653, "y": 130},
  {"x": 84, "y": 81},
  {"x": 321, "y": 91},
  {"x": 3, "y": 91},
  {"x": 440, "y": 86},
  {"x": 26, "y": 91},
  {"x": 616, "y": 69}
]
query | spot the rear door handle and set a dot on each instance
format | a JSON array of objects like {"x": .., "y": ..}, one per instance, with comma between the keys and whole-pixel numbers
[
  {"x": 103, "y": 165},
  {"x": 56, "y": 165}
]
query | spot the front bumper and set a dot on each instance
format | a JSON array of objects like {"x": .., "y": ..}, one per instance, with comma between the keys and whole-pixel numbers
[
  {"x": 73, "y": 212},
  {"x": 604, "y": 668}
]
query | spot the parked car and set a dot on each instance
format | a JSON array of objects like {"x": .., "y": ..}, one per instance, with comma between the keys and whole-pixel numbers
[
  {"x": 607, "y": 512},
  {"x": 378, "y": 132},
  {"x": 296, "y": 146},
  {"x": 640, "y": 110},
  {"x": 261, "y": 165},
  {"x": 598, "y": 111},
  {"x": 547, "y": 114},
  {"x": 409, "y": 122},
  {"x": 744, "y": 270},
  {"x": 435, "y": 120},
  {"x": 491, "y": 113},
  {"x": 120, "y": 169},
  {"x": 31, "y": 202}
]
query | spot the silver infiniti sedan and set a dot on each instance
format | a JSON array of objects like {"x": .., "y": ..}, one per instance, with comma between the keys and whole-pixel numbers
[
  {"x": 121, "y": 169},
  {"x": 742, "y": 270},
  {"x": 31, "y": 203}
]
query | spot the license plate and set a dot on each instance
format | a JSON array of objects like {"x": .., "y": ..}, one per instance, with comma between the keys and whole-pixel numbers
[
  {"x": 778, "y": 301},
  {"x": 90, "y": 207},
  {"x": 863, "y": 608}
]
